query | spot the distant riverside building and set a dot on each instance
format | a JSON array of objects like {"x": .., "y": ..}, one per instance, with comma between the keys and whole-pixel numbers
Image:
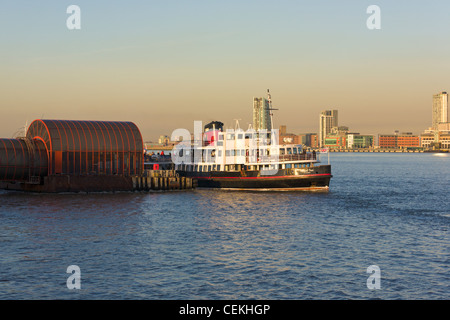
[
  {"x": 408, "y": 141},
  {"x": 444, "y": 126},
  {"x": 438, "y": 135},
  {"x": 356, "y": 141},
  {"x": 290, "y": 138},
  {"x": 309, "y": 139},
  {"x": 287, "y": 138},
  {"x": 404, "y": 140},
  {"x": 337, "y": 138},
  {"x": 305, "y": 139},
  {"x": 336, "y": 141},
  {"x": 440, "y": 110},
  {"x": 261, "y": 114},
  {"x": 314, "y": 140},
  {"x": 387, "y": 141},
  {"x": 328, "y": 120},
  {"x": 441, "y": 140},
  {"x": 164, "y": 139},
  {"x": 338, "y": 130}
]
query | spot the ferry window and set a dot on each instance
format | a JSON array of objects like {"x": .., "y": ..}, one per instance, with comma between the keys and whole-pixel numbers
[
  {"x": 240, "y": 136},
  {"x": 230, "y": 136},
  {"x": 220, "y": 143},
  {"x": 214, "y": 167},
  {"x": 218, "y": 167},
  {"x": 227, "y": 153},
  {"x": 220, "y": 153},
  {"x": 282, "y": 151},
  {"x": 248, "y": 136},
  {"x": 227, "y": 168},
  {"x": 209, "y": 168},
  {"x": 233, "y": 152},
  {"x": 289, "y": 150},
  {"x": 295, "y": 150},
  {"x": 288, "y": 166},
  {"x": 196, "y": 168},
  {"x": 221, "y": 137},
  {"x": 242, "y": 152}
]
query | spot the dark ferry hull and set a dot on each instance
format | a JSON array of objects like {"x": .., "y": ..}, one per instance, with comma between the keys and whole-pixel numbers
[{"x": 314, "y": 179}]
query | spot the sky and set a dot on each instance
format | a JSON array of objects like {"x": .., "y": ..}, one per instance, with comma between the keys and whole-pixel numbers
[{"x": 165, "y": 64}]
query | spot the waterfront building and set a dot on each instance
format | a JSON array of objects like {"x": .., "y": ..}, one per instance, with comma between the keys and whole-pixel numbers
[
  {"x": 444, "y": 126},
  {"x": 288, "y": 138},
  {"x": 439, "y": 140},
  {"x": 440, "y": 110},
  {"x": 356, "y": 140},
  {"x": 336, "y": 141},
  {"x": 337, "y": 138},
  {"x": 313, "y": 140},
  {"x": 404, "y": 140},
  {"x": 309, "y": 140},
  {"x": 387, "y": 141},
  {"x": 338, "y": 130},
  {"x": 305, "y": 139},
  {"x": 328, "y": 120},
  {"x": 164, "y": 140},
  {"x": 408, "y": 141}
]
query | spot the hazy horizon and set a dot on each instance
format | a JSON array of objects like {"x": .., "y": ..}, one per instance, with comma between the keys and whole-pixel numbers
[{"x": 164, "y": 65}]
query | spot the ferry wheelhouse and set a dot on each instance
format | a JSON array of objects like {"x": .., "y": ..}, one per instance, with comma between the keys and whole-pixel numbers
[{"x": 249, "y": 160}]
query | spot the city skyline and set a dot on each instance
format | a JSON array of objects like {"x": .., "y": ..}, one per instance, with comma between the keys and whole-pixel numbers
[{"x": 164, "y": 66}]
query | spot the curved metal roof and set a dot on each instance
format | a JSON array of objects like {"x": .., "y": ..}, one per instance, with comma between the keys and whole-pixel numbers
[
  {"x": 109, "y": 147},
  {"x": 89, "y": 136}
]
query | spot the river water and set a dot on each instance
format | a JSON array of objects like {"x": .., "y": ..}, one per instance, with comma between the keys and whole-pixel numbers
[{"x": 387, "y": 210}]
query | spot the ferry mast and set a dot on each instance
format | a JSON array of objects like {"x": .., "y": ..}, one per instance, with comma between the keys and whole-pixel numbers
[
  {"x": 271, "y": 109},
  {"x": 269, "y": 99}
]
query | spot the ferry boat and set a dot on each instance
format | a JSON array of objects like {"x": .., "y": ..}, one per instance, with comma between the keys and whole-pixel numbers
[{"x": 250, "y": 160}]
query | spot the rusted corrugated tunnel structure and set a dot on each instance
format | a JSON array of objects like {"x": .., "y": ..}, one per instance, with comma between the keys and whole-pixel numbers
[
  {"x": 67, "y": 155},
  {"x": 21, "y": 159}
]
